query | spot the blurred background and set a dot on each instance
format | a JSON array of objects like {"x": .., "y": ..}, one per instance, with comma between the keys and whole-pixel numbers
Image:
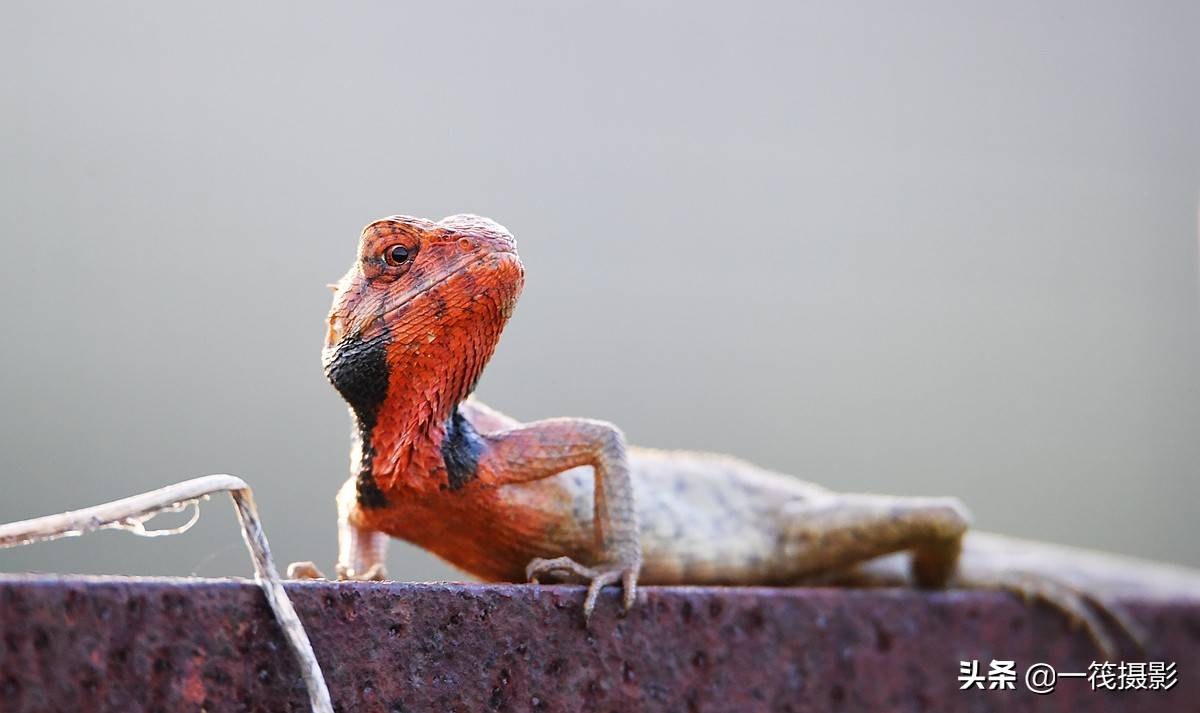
[{"x": 918, "y": 249}]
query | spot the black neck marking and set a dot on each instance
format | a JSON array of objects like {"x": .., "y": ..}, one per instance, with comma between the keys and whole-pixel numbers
[
  {"x": 365, "y": 488},
  {"x": 360, "y": 372},
  {"x": 461, "y": 448}
]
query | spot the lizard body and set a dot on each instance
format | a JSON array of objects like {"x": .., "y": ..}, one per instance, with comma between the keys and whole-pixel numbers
[{"x": 413, "y": 323}]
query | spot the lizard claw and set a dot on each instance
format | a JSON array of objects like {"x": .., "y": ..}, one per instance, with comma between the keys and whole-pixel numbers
[{"x": 567, "y": 569}]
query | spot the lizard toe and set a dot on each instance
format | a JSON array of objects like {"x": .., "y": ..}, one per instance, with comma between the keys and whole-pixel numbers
[
  {"x": 629, "y": 588},
  {"x": 602, "y": 578},
  {"x": 557, "y": 567},
  {"x": 304, "y": 570}
]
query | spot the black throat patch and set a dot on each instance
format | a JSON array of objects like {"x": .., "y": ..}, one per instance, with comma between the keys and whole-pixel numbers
[
  {"x": 359, "y": 371},
  {"x": 461, "y": 448}
]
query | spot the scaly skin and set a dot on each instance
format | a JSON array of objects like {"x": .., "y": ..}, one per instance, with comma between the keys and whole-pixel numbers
[{"x": 413, "y": 323}]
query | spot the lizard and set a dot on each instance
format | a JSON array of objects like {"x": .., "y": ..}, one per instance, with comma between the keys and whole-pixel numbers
[{"x": 412, "y": 325}]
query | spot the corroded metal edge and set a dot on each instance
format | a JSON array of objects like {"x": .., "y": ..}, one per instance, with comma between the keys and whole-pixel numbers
[{"x": 151, "y": 644}]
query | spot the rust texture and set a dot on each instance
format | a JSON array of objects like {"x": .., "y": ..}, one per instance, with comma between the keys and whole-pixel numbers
[{"x": 128, "y": 644}]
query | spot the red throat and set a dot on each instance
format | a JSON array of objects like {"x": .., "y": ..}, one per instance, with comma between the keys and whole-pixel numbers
[{"x": 404, "y": 349}]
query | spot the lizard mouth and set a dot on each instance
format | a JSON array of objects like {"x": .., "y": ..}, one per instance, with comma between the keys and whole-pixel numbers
[{"x": 338, "y": 324}]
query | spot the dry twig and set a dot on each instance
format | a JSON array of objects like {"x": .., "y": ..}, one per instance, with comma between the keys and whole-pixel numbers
[{"x": 133, "y": 512}]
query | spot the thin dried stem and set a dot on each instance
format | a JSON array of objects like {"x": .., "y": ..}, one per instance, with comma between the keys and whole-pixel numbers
[{"x": 132, "y": 513}]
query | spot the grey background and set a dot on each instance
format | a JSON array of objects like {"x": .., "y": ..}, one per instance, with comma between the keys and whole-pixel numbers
[{"x": 913, "y": 249}]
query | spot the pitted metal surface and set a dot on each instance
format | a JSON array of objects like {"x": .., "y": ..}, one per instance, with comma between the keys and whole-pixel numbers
[{"x": 131, "y": 644}]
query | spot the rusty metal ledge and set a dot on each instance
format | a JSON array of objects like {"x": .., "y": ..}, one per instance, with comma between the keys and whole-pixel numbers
[{"x": 132, "y": 644}]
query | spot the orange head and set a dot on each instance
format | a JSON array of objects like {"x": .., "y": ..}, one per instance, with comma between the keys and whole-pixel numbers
[{"x": 412, "y": 324}]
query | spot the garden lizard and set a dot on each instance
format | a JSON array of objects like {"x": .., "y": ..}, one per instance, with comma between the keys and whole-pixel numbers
[{"x": 412, "y": 325}]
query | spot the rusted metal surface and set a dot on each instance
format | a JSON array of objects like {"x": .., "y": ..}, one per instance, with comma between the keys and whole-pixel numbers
[{"x": 121, "y": 644}]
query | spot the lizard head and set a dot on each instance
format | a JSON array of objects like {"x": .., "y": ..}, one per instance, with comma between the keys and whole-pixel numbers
[{"x": 418, "y": 315}]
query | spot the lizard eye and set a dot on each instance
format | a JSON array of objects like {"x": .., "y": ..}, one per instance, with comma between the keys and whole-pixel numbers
[{"x": 396, "y": 255}]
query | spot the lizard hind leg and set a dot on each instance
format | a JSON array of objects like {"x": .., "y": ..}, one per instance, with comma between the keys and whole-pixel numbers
[{"x": 833, "y": 533}]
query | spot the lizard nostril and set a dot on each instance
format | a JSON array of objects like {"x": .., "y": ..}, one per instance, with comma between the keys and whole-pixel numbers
[{"x": 465, "y": 244}]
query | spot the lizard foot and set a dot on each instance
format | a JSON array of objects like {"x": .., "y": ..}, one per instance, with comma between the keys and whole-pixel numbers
[
  {"x": 1081, "y": 609},
  {"x": 304, "y": 570},
  {"x": 375, "y": 573},
  {"x": 567, "y": 569},
  {"x": 308, "y": 570}
]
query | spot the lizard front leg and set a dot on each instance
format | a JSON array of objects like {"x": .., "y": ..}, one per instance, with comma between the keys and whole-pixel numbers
[
  {"x": 544, "y": 448},
  {"x": 361, "y": 551}
]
